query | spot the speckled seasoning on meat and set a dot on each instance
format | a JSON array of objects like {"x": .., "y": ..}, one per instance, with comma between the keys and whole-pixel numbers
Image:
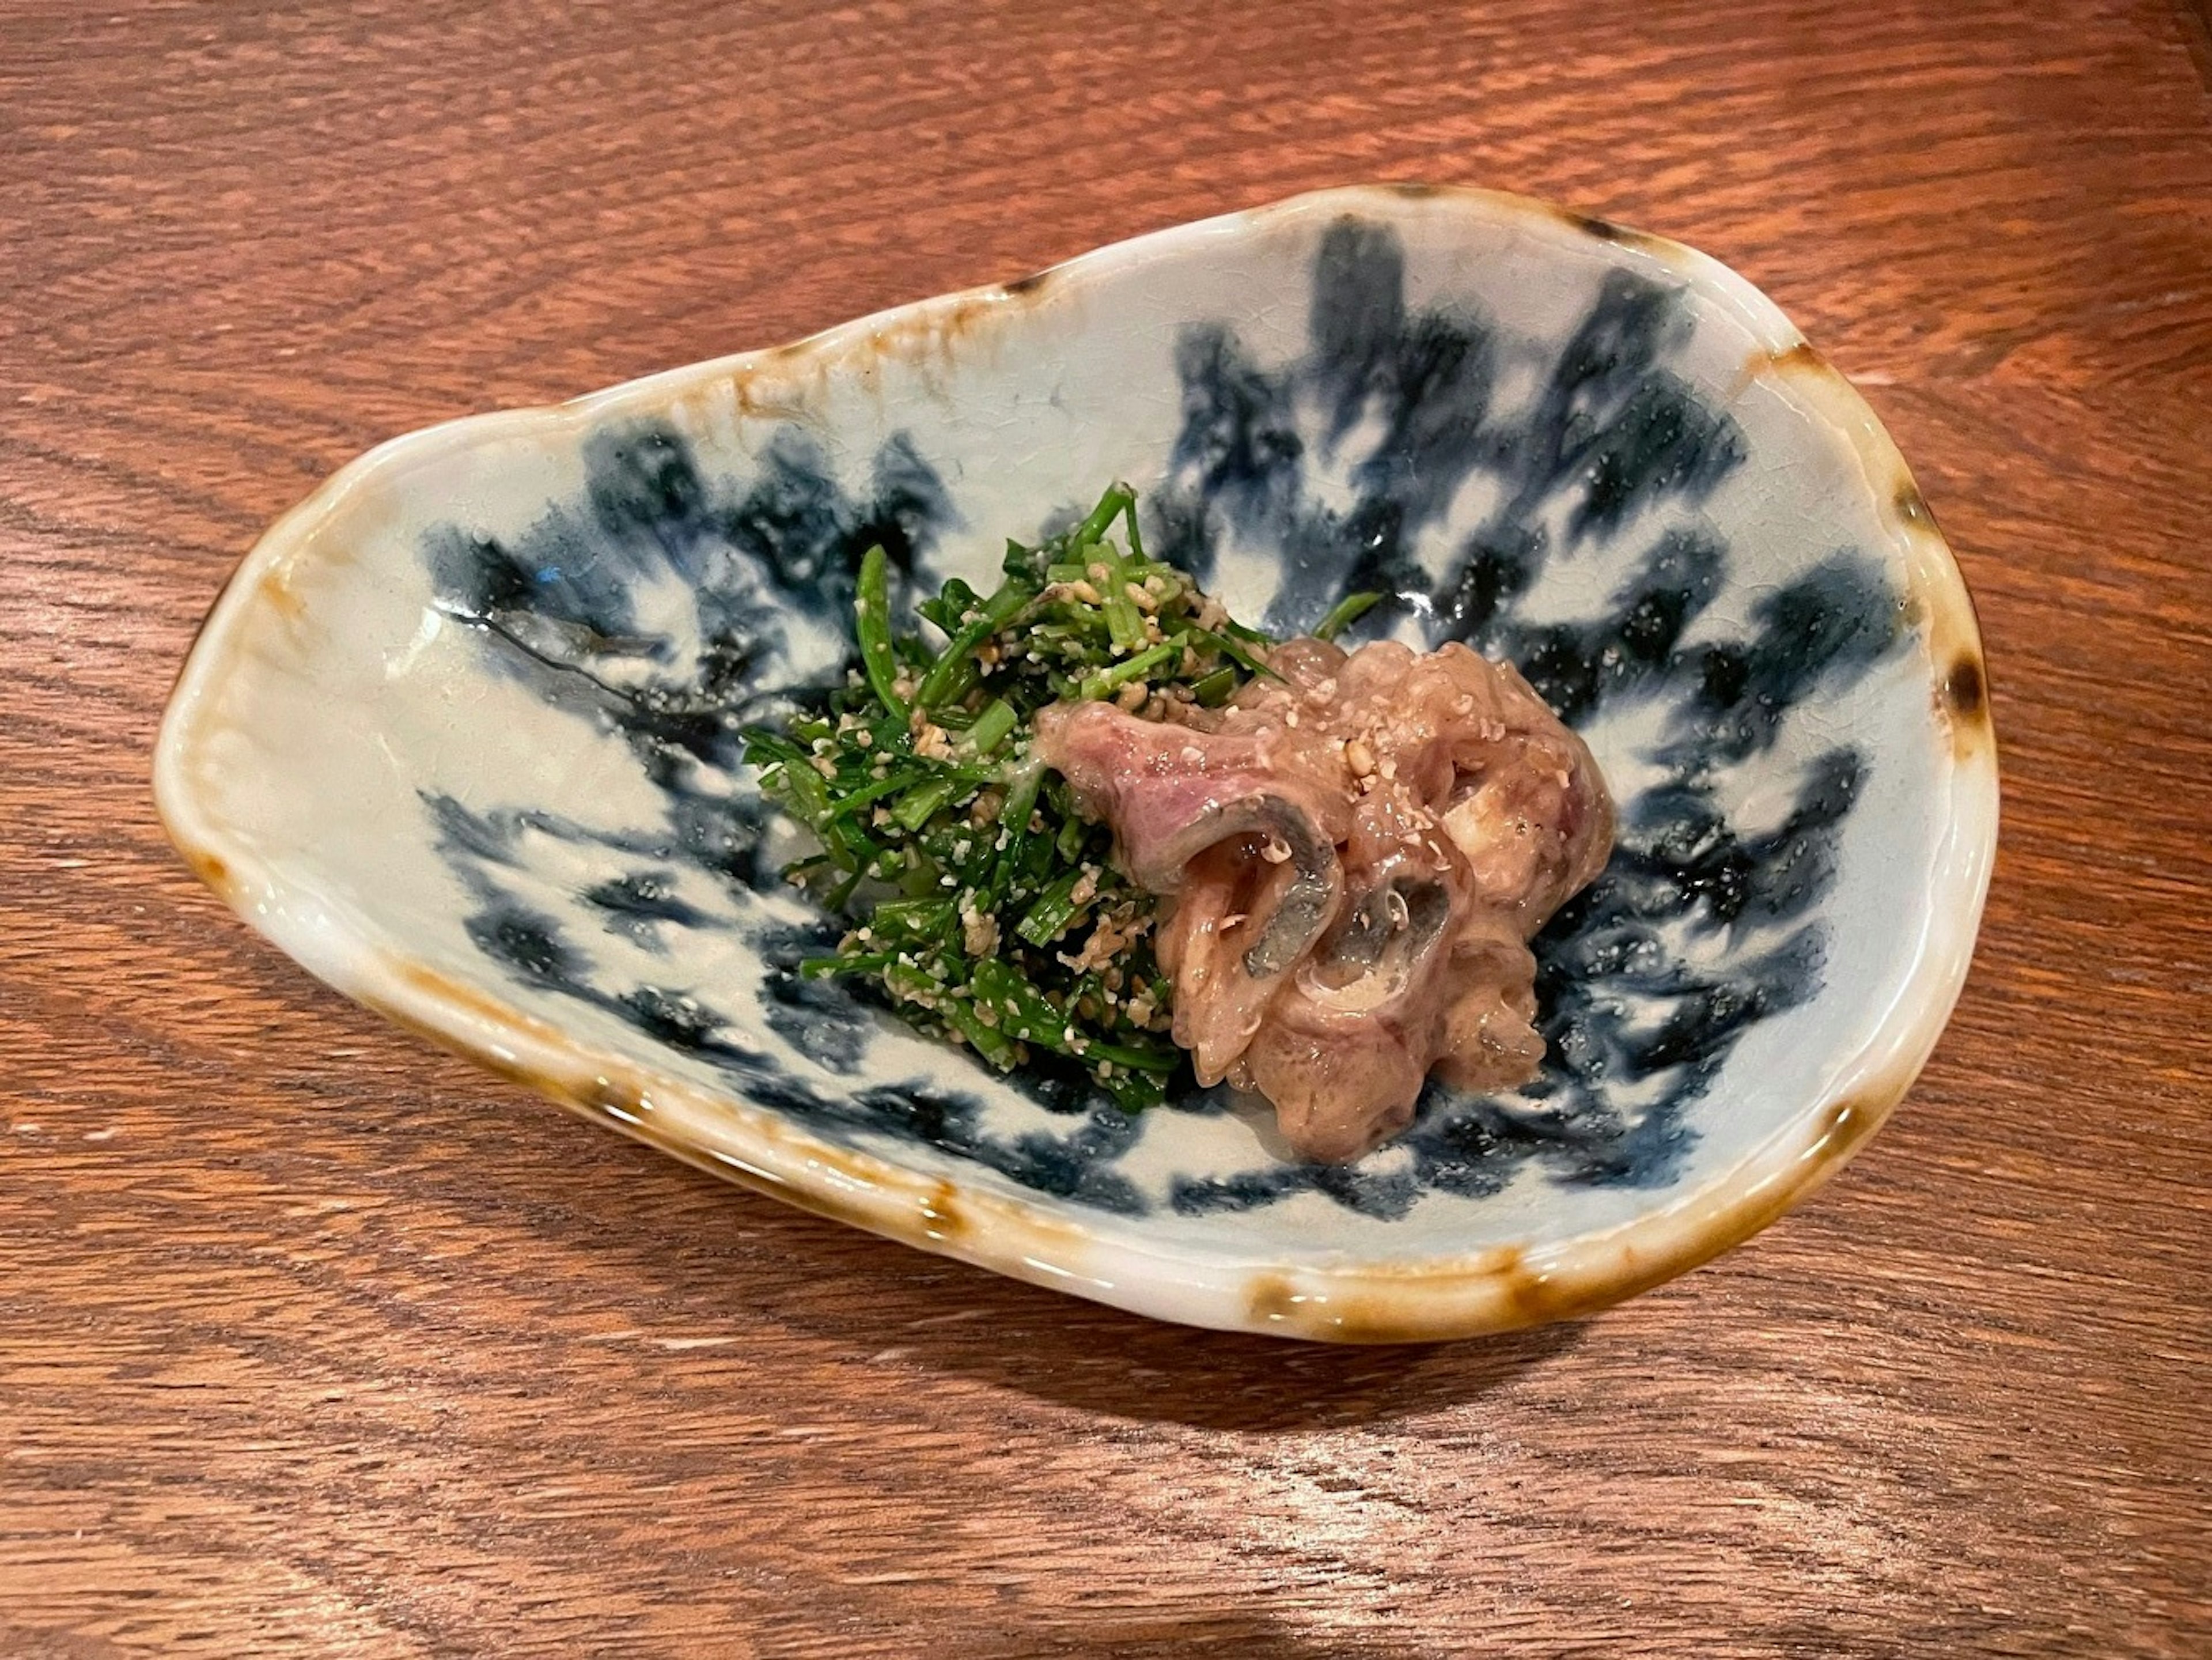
[{"x": 1355, "y": 854}]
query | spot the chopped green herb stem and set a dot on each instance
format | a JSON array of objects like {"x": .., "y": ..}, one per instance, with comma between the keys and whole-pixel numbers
[
  {"x": 1118, "y": 499},
  {"x": 1107, "y": 682},
  {"x": 920, "y": 805},
  {"x": 1211, "y": 691},
  {"x": 871, "y": 624},
  {"x": 955, "y": 667},
  {"x": 1057, "y": 910},
  {"x": 1344, "y": 613},
  {"x": 992, "y": 726},
  {"x": 1125, "y": 623},
  {"x": 1129, "y": 517},
  {"x": 1234, "y": 653}
]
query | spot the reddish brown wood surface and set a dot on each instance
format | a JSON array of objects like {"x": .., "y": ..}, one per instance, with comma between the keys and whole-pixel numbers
[{"x": 314, "y": 1341}]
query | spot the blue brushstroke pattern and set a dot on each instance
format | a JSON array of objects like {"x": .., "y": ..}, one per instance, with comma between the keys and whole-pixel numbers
[{"x": 1616, "y": 444}]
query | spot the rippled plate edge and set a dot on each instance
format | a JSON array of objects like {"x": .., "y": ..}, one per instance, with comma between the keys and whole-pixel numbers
[{"x": 1419, "y": 1299}]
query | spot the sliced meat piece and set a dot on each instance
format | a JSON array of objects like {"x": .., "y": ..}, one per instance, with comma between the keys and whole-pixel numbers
[
  {"x": 1251, "y": 846},
  {"x": 1356, "y": 853},
  {"x": 1345, "y": 1046},
  {"x": 1338, "y": 1086},
  {"x": 1226, "y": 945},
  {"x": 1489, "y": 1040}
]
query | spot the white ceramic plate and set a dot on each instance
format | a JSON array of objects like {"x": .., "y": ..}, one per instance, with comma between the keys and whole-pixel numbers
[{"x": 460, "y": 737}]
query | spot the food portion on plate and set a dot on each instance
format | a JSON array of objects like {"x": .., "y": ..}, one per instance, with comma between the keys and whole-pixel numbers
[{"x": 1103, "y": 820}]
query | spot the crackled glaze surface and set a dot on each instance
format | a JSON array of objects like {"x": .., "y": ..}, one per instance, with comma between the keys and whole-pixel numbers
[{"x": 464, "y": 738}]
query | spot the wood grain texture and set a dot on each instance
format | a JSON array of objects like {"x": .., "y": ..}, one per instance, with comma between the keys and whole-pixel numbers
[{"x": 315, "y": 1340}]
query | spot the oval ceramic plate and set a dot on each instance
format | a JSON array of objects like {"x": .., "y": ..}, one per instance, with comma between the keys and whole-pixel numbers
[{"x": 461, "y": 736}]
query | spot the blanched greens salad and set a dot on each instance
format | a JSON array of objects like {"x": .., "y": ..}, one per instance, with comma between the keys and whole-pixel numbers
[{"x": 980, "y": 903}]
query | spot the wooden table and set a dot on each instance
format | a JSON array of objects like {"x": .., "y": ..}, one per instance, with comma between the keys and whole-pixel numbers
[{"x": 314, "y": 1341}]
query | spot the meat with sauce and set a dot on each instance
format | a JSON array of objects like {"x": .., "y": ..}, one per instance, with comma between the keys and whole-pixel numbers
[{"x": 1353, "y": 856}]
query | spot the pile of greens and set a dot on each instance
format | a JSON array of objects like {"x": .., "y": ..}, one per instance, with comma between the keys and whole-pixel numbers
[{"x": 983, "y": 905}]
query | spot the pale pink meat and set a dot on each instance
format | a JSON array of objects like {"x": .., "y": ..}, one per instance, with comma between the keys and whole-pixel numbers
[{"x": 1354, "y": 858}]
